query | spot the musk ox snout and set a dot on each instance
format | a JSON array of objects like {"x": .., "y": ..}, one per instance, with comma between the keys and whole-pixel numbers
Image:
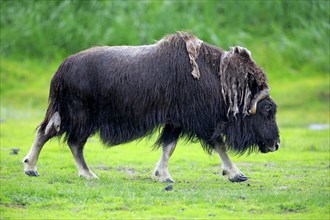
[
  {"x": 274, "y": 147},
  {"x": 270, "y": 148},
  {"x": 277, "y": 145}
]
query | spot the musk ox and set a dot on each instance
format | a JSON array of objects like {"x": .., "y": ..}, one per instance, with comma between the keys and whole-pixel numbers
[{"x": 180, "y": 84}]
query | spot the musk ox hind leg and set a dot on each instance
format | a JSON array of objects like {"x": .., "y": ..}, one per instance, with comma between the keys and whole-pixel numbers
[
  {"x": 78, "y": 154},
  {"x": 43, "y": 135},
  {"x": 168, "y": 139},
  {"x": 31, "y": 159},
  {"x": 229, "y": 168}
]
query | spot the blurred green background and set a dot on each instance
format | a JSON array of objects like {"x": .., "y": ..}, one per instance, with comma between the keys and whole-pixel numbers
[
  {"x": 289, "y": 39},
  {"x": 296, "y": 32}
]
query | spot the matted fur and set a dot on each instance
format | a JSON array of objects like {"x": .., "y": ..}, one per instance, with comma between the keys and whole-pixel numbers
[
  {"x": 193, "y": 45},
  {"x": 126, "y": 92},
  {"x": 237, "y": 71}
]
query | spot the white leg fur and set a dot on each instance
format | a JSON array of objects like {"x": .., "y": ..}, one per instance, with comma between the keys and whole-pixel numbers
[
  {"x": 161, "y": 172},
  {"x": 31, "y": 159},
  {"x": 83, "y": 169},
  {"x": 229, "y": 168}
]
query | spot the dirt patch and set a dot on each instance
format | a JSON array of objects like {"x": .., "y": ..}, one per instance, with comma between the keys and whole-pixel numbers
[
  {"x": 15, "y": 206},
  {"x": 130, "y": 171}
]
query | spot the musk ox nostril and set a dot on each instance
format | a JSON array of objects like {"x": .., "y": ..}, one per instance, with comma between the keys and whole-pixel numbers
[{"x": 277, "y": 145}]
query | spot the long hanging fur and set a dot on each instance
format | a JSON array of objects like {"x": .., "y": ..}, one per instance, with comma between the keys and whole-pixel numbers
[
  {"x": 237, "y": 71},
  {"x": 126, "y": 92}
]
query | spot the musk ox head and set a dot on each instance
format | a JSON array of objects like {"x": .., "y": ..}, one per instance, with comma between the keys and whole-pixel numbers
[
  {"x": 251, "y": 112},
  {"x": 253, "y": 132},
  {"x": 264, "y": 127}
]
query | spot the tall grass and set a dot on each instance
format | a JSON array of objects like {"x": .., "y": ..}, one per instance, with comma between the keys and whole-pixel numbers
[{"x": 295, "y": 32}]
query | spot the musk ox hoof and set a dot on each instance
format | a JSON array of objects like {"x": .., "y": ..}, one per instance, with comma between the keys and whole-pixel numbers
[
  {"x": 234, "y": 175},
  {"x": 162, "y": 177},
  {"x": 88, "y": 175},
  {"x": 169, "y": 180},
  {"x": 31, "y": 173},
  {"x": 239, "y": 178}
]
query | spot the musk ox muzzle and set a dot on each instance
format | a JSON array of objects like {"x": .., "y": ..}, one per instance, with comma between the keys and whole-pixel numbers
[{"x": 266, "y": 149}]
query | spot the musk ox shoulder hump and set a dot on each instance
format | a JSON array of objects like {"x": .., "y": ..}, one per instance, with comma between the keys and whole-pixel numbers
[{"x": 192, "y": 44}]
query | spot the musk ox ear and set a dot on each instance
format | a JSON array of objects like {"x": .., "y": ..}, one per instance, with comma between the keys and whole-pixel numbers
[
  {"x": 193, "y": 45},
  {"x": 252, "y": 83}
]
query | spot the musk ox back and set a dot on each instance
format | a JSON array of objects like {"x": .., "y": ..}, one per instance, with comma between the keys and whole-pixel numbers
[{"x": 187, "y": 87}]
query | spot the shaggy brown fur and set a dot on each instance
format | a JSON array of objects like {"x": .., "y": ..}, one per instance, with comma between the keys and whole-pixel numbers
[{"x": 193, "y": 45}]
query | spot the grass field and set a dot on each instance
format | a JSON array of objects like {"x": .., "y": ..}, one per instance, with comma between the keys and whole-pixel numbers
[
  {"x": 290, "y": 40},
  {"x": 291, "y": 183}
]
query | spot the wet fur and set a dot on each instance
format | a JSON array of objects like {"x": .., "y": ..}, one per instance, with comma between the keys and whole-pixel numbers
[{"x": 125, "y": 93}]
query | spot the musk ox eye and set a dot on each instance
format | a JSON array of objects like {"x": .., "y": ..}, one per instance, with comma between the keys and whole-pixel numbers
[
  {"x": 268, "y": 108},
  {"x": 268, "y": 111}
]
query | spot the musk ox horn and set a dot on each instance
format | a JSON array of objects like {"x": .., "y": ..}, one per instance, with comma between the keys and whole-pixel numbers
[{"x": 261, "y": 95}]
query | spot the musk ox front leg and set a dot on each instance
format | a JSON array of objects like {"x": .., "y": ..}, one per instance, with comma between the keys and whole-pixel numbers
[
  {"x": 229, "y": 168},
  {"x": 161, "y": 172}
]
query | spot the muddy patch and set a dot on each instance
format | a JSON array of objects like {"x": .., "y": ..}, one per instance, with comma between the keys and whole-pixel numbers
[{"x": 127, "y": 170}]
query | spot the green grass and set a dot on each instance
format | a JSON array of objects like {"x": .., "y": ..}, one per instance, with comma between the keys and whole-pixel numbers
[{"x": 292, "y": 183}]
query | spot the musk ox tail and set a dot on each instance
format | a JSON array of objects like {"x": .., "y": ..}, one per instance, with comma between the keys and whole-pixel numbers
[{"x": 51, "y": 125}]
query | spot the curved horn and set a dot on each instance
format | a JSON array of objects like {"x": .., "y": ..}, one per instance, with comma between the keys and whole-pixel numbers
[{"x": 261, "y": 95}]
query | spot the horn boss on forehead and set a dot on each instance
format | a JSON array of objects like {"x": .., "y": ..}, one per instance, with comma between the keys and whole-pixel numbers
[{"x": 261, "y": 95}]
